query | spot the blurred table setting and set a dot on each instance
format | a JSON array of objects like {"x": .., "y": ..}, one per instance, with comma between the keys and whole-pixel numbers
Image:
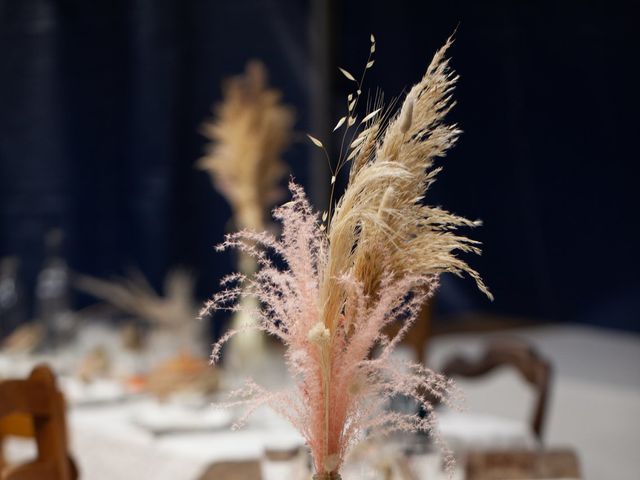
[
  {"x": 144, "y": 410},
  {"x": 140, "y": 392},
  {"x": 148, "y": 411}
]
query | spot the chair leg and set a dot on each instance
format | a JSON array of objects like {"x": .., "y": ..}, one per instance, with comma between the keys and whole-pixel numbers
[{"x": 74, "y": 473}]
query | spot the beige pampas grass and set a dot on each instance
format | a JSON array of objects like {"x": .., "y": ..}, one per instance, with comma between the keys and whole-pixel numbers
[
  {"x": 248, "y": 134},
  {"x": 380, "y": 223},
  {"x": 134, "y": 295},
  {"x": 250, "y": 131}
]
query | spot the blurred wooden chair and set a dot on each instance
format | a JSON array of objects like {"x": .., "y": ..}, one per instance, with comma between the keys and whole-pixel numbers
[
  {"x": 523, "y": 465},
  {"x": 34, "y": 407},
  {"x": 535, "y": 370}
]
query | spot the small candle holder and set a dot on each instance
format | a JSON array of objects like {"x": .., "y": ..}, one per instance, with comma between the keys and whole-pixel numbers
[{"x": 279, "y": 462}]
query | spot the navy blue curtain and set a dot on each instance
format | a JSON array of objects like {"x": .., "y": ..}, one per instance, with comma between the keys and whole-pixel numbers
[
  {"x": 100, "y": 104},
  {"x": 549, "y": 157}
]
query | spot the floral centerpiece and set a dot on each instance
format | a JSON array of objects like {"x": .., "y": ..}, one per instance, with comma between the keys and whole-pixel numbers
[
  {"x": 331, "y": 282},
  {"x": 250, "y": 130}
]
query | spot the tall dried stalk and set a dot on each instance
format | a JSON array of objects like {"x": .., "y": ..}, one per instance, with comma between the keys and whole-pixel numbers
[
  {"x": 250, "y": 130},
  {"x": 369, "y": 261}
]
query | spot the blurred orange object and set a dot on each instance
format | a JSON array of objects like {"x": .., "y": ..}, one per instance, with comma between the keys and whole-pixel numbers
[{"x": 182, "y": 373}]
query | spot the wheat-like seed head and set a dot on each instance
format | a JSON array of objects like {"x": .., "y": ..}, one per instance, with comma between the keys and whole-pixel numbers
[{"x": 381, "y": 223}]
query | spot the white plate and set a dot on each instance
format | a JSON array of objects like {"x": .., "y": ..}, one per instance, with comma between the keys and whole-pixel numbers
[
  {"x": 466, "y": 430},
  {"x": 161, "y": 419},
  {"x": 97, "y": 392}
]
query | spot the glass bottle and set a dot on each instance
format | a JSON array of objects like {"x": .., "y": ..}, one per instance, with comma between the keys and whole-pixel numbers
[
  {"x": 12, "y": 300},
  {"x": 53, "y": 293}
]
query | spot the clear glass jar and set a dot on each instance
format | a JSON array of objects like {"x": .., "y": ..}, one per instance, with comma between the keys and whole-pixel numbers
[{"x": 278, "y": 463}]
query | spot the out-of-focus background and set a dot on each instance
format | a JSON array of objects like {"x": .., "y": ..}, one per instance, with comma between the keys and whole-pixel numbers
[{"x": 101, "y": 107}]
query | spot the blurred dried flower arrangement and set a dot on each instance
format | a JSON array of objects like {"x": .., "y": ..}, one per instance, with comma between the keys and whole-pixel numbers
[
  {"x": 371, "y": 259},
  {"x": 134, "y": 295},
  {"x": 250, "y": 130},
  {"x": 171, "y": 318},
  {"x": 248, "y": 134}
]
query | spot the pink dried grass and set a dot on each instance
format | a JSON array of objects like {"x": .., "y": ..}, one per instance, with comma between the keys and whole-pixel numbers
[
  {"x": 376, "y": 262},
  {"x": 360, "y": 386}
]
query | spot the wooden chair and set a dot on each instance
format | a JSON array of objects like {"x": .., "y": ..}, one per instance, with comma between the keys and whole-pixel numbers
[
  {"x": 534, "y": 369},
  {"x": 35, "y": 407},
  {"x": 522, "y": 464}
]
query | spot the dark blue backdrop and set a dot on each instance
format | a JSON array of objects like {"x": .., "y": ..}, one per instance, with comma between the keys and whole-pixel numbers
[{"x": 100, "y": 103}]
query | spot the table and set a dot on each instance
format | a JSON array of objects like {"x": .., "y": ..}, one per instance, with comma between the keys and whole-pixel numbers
[
  {"x": 596, "y": 371},
  {"x": 489, "y": 465}
]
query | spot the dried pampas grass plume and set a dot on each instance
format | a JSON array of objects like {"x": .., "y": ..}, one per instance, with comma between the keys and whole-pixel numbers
[
  {"x": 134, "y": 295},
  {"x": 381, "y": 225},
  {"x": 249, "y": 132},
  {"x": 372, "y": 259}
]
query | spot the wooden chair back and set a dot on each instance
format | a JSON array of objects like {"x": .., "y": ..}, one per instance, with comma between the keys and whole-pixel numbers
[
  {"x": 522, "y": 464},
  {"x": 37, "y": 398},
  {"x": 535, "y": 370}
]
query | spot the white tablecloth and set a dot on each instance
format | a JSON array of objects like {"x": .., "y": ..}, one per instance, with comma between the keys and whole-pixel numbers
[
  {"x": 594, "y": 408},
  {"x": 109, "y": 446}
]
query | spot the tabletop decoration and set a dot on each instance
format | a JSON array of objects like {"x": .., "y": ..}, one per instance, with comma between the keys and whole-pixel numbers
[
  {"x": 250, "y": 130},
  {"x": 331, "y": 282},
  {"x": 173, "y": 309},
  {"x": 169, "y": 314},
  {"x": 182, "y": 374},
  {"x": 178, "y": 362}
]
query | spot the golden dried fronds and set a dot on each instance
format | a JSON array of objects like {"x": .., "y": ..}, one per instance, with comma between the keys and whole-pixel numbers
[
  {"x": 380, "y": 224},
  {"x": 250, "y": 131}
]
